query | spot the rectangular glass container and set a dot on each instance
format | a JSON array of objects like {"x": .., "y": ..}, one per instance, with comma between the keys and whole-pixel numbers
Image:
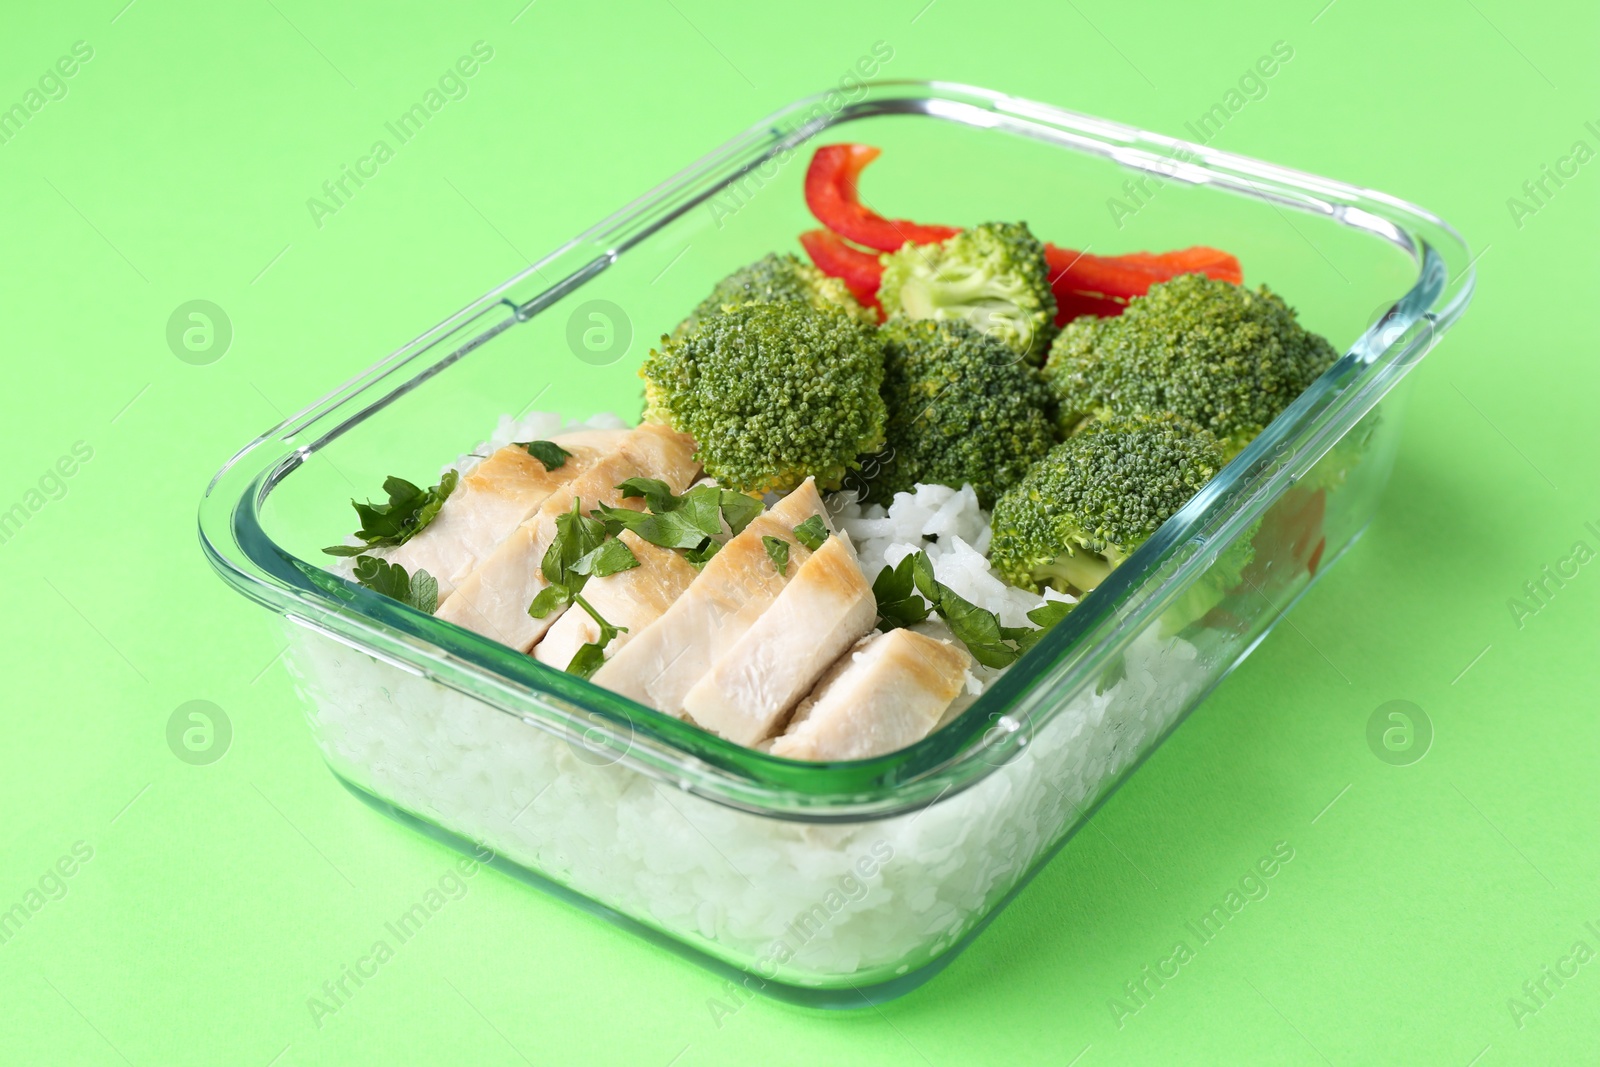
[{"x": 846, "y": 883}]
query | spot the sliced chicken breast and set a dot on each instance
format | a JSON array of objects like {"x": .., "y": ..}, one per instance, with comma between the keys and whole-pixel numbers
[
  {"x": 826, "y": 607},
  {"x": 633, "y": 599},
  {"x": 884, "y": 694},
  {"x": 493, "y": 600},
  {"x": 490, "y": 502},
  {"x": 659, "y": 666}
]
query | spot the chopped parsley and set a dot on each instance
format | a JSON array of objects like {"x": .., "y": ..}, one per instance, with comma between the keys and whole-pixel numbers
[
  {"x": 738, "y": 510},
  {"x": 577, "y": 536},
  {"x": 1044, "y": 616},
  {"x": 684, "y": 527},
  {"x": 812, "y": 532},
  {"x": 552, "y": 455},
  {"x": 701, "y": 556},
  {"x": 691, "y": 522},
  {"x": 608, "y": 559},
  {"x": 419, "y": 590},
  {"x": 408, "y": 512},
  {"x": 777, "y": 551},
  {"x": 909, "y": 592},
  {"x": 896, "y": 593},
  {"x": 658, "y": 495},
  {"x": 588, "y": 659},
  {"x": 579, "y": 551},
  {"x": 975, "y": 627}
]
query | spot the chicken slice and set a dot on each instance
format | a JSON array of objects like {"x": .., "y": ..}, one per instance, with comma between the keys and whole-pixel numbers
[
  {"x": 884, "y": 694},
  {"x": 633, "y": 598},
  {"x": 489, "y": 503},
  {"x": 827, "y": 605},
  {"x": 493, "y": 600},
  {"x": 659, "y": 666}
]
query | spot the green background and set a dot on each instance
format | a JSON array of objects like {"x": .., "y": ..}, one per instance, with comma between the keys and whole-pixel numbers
[{"x": 218, "y": 898}]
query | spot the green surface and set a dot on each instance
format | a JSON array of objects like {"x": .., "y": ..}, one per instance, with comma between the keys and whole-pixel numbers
[{"x": 219, "y": 898}]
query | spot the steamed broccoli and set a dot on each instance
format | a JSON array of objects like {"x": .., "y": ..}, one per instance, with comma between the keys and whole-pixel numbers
[
  {"x": 961, "y": 410},
  {"x": 774, "y": 278},
  {"x": 1212, "y": 352},
  {"x": 994, "y": 276},
  {"x": 772, "y": 394},
  {"x": 1096, "y": 497},
  {"x": 1222, "y": 577},
  {"x": 1339, "y": 463}
]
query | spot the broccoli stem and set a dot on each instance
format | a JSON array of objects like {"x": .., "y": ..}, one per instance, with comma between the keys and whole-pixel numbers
[{"x": 1083, "y": 570}]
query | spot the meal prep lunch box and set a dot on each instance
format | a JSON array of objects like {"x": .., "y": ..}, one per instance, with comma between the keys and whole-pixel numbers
[{"x": 849, "y": 883}]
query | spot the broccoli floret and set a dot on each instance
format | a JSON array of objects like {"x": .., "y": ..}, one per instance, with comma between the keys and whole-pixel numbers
[
  {"x": 1096, "y": 497},
  {"x": 994, "y": 276},
  {"x": 774, "y": 278},
  {"x": 962, "y": 409},
  {"x": 772, "y": 394},
  {"x": 1222, "y": 578},
  {"x": 1218, "y": 354},
  {"x": 1340, "y": 462}
]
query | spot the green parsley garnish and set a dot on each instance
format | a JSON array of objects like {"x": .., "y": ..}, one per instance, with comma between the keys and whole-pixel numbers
[
  {"x": 738, "y": 510},
  {"x": 552, "y": 455},
  {"x": 588, "y": 659},
  {"x": 896, "y": 593},
  {"x": 812, "y": 532},
  {"x": 658, "y": 495},
  {"x": 610, "y": 558},
  {"x": 978, "y": 629},
  {"x": 701, "y": 556},
  {"x": 419, "y": 590},
  {"x": 1044, "y": 616},
  {"x": 579, "y": 551},
  {"x": 689, "y": 522},
  {"x": 408, "y": 512},
  {"x": 577, "y": 535},
  {"x": 777, "y": 551},
  {"x": 909, "y": 592}
]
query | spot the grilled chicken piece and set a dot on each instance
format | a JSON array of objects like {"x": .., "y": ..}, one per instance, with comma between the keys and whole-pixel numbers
[
  {"x": 490, "y": 502},
  {"x": 827, "y": 605},
  {"x": 659, "y": 666},
  {"x": 884, "y": 694},
  {"x": 493, "y": 600},
  {"x": 633, "y": 598}
]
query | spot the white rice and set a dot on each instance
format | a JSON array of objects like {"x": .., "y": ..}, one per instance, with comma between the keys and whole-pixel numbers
[{"x": 734, "y": 884}]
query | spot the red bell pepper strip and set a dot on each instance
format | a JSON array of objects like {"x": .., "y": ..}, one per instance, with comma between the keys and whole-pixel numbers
[
  {"x": 1211, "y": 262},
  {"x": 1071, "y": 305},
  {"x": 860, "y": 271},
  {"x": 1316, "y": 557},
  {"x": 1290, "y": 538},
  {"x": 832, "y": 196},
  {"x": 1086, "y": 284}
]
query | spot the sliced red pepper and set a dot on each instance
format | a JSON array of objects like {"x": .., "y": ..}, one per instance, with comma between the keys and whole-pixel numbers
[
  {"x": 1212, "y": 262},
  {"x": 1316, "y": 557},
  {"x": 1086, "y": 284},
  {"x": 1116, "y": 277},
  {"x": 832, "y": 196},
  {"x": 1290, "y": 538},
  {"x": 859, "y": 270},
  {"x": 1070, "y": 306}
]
